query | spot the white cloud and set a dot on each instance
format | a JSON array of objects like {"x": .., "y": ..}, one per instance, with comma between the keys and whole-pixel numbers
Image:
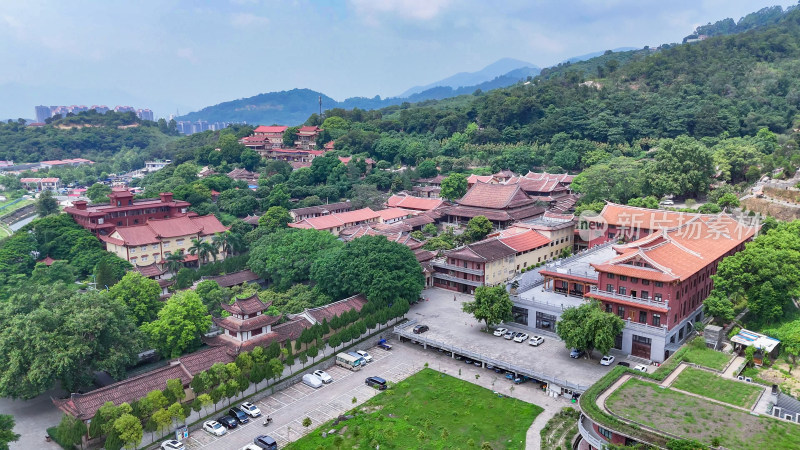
[
  {"x": 248, "y": 19},
  {"x": 421, "y": 10},
  {"x": 187, "y": 54}
]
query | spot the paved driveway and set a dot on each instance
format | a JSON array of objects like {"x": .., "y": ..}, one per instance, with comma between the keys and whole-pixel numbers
[
  {"x": 32, "y": 417},
  {"x": 450, "y": 325}
]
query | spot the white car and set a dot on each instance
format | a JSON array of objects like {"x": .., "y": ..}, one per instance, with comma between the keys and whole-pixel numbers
[
  {"x": 509, "y": 335},
  {"x": 607, "y": 360},
  {"x": 500, "y": 331},
  {"x": 323, "y": 376},
  {"x": 214, "y": 427},
  {"x": 365, "y": 355},
  {"x": 250, "y": 409},
  {"x": 536, "y": 340},
  {"x": 251, "y": 447},
  {"x": 172, "y": 444},
  {"x": 641, "y": 368},
  {"x": 521, "y": 337}
]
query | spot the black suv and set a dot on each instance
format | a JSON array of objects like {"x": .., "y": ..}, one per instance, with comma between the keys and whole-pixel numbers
[
  {"x": 376, "y": 382},
  {"x": 420, "y": 329},
  {"x": 239, "y": 415},
  {"x": 266, "y": 442},
  {"x": 228, "y": 422}
]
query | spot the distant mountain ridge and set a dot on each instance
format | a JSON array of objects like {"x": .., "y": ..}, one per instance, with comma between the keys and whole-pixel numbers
[{"x": 296, "y": 105}]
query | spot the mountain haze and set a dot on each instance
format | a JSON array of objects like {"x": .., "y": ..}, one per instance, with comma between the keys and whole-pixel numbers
[{"x": 496, "y": 69}]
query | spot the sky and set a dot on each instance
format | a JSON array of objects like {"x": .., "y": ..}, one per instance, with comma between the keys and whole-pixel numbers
[{"x": 182, "y": 55}]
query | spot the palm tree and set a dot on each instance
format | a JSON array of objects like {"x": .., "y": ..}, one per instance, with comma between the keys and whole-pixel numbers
[
  {"x": 230, "y": 243},
  {"x": 199, "y": 248},
  {"x": 174, "y": 261}
]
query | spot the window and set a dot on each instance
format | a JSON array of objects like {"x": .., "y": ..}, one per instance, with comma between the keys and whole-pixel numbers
[
  {"x": 656, "y": 320},
  {"x": 166, "y": 244},
  {"x": 609, "y": 308},
  {"x": 179, "y": 242},
  {"x": 634, "y": 280},
  {"x": 623, "y": 278},
  {"x": 144, "y": 248},
  {"x": 604, "y": 432},
  {"x": 623, "y": 290},
  {"x": 611, "y": 276},
  {"x": 657, "y": 297},
  {"x": 641, "y": 339},
  {"x": 144, "y": 257},
  {"x": 155, "y": 247},
  {"x": 646, "y": 282},
  {"x": 642, "y": 317},
  {"x": 133, "y": 260},
  {"x": 621, "y": 311},
  {"x": 610, "y": 287},
  {"x": 133, "y": 249},
  {"x": 659, "y": 284},
  {"x": 645, "y": 295}
]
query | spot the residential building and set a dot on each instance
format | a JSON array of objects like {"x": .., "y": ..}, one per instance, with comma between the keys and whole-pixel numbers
[
  {"x": 145, "y": 114},
  {"x": 657, "y": 284},
  {"x": 41, "y": 184},
  {"x": 65, "y": 162},
  {"x": 473, "y": 179},
  {"x": 416, "y": 203},
  {"x": 492, "y": 261},
  {"x": 334, "y": 223},
  {"x": 289, "y": 155},
  {"x": 153, "y": 241},
  {"x": 395, "y": 215},
  {"x": 251, "y": 178},
  {"x": 154, "y": 166},
  {"x": 123, "y": 211},
  {"x": 501, "y": 204},
  {"x": 265, "y": 137},
  {"x": 307, "y": 137},
  {"x": 42, "y": 113},
  {"x": 308, "y": 212}
]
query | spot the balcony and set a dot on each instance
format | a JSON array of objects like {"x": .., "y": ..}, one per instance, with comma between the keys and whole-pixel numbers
[
  {"x": 588, "y": 433},
  {"x": 645, "y": 328},
  {"x": 663, "y": 304},
  {"x": 444, "y": 276},
  {"x": 444, "y": 265}
]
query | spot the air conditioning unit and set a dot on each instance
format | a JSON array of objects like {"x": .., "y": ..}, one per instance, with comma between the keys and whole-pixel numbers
[
  {"x": 748, "y": 379},
  {"x": 740, "y": 378}
]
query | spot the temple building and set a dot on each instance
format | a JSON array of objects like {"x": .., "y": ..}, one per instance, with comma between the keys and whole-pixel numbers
[
  {"x": 123, "y": 211},
  {"x": 501, "y": 204}
]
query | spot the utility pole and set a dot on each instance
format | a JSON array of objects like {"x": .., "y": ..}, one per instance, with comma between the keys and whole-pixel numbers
[{"x": 320, "y": 107}]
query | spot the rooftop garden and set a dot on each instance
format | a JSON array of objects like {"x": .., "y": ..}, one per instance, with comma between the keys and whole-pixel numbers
[
  {"x": 430, "y": 410},
  {"x": 713, "y": 386}
]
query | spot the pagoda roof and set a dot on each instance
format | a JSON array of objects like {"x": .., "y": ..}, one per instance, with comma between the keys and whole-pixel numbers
[
  {"x": 235, "y": 324},
  {"x": 246, "y": 306}
]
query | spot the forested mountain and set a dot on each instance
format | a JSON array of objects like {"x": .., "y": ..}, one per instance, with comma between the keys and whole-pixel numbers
[
  {"x": 762, "y": 17},
  {"x": 498, "y": 68},
  {"x": 294, "y": 106}
]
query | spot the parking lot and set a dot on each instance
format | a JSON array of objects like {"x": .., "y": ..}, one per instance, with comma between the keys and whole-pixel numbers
[
  {"x": 441, "y": 311},
  {"x": 290, "y": 406}
]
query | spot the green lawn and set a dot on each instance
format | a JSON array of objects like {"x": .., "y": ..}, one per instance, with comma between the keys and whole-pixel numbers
[
  {"x": 713, "y": 386},
  {"x": 433, "y": 411},
  {"x": 706, "y": 357},
  {"x": 689, "y": 417}
]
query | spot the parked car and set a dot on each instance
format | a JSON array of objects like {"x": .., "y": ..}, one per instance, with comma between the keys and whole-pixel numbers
[
  {"x": 477, "y": 363},
  {"x": 467, "y": 361},
  {"x": 607, "y": 360},
  {"x": 384, "y": 345},
  {"x": 624, "y": 364},
  {"x": 420, "y": 329},
  {"x": 510, "y": 376},
  {"x": 641, "y": 368},
  {"x": 500, "y": 331},
  {"x": 575, "y": 353},
  {"x": 498, "y": 370},
  {"x": 172, "y": 444},
  {"x": 667, "y": 202},
  {"x": 228, "y": 422},
  {"x": 239, "y": 415},
  {"x": 536, "y": 340},
  {"x": 521, "y": 337},
  {"x": 376, "y": 382},
  {"x": 312, "y": 380},
  {"x": 265, "y": 442},
  {"x": 365, "y": 355},
  {"x": 250, "y": 409},
  {"x": 509, "y": 335},
  {"x": 214, "y": 427},
  {"x": 322, "y": 375}
]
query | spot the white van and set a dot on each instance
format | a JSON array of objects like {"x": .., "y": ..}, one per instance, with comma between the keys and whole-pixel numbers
[{"x": 312, "y": 380}]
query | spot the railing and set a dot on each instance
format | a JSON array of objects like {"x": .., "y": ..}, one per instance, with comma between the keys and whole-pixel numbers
[
  {"x": 445, "y": 276},
  {"x": 592, "y": 438},
  {"x": 645, "y": 328},
  {"x": 497, "y": 363},
  {"x": 445, "y": 265},
  {"x": 629, "y": 298}
]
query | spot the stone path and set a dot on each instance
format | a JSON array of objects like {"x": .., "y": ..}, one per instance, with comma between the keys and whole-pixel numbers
[{"x": 671, "y": 377}]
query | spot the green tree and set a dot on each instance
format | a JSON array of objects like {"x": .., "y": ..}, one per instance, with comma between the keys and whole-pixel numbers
[
  {"x": 454, "y": 186},
  {"x": 681, "y": 166},
  {"x": 128, "y": 430},
  {"x": 141, "y": 295},
  {"x": 104, "y": 275},
  {"x": 51, "y": 333},
  {"x": 430, "y": 229},
  {"x": 307, "y": 422},
  {"x": 477, "y": 228},
  {"x": 279, "y": 196},
  {"x": 588, "y": 327},
  {"x": 46, "y": 204},
  {"x": 491, "y": 305},
  {"x": 180, "y": 324},
  {"x": 728, "y": 200},
  {"x": 617, "y": 180},
  {"x": 276, "y": 218},
  {"x": 644, "y": 202},
  {"x": 383, "y": 270},
  {"x": 427, "y": 169},
  {"x": 367, "y": 196},
  {"x": 202, "y": 249},
  {"x": 7, "y": 431},
  {"x": 70, "y": 431},
  {"x": 98, "y": 192},
  {"x": 211, "y": 295},
  {"x": 286, "y": 257},
  {"x": 174, "y": 261},
  {"x": 685, "y": 444}
]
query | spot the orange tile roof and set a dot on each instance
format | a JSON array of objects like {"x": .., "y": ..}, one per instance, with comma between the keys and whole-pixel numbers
[
  {"x": 337, "y": 220},
  {"x": 643, "y": 218},
  {"x": 411, "y": 202},
  {"x": 494, "y": 196},
  {"x": 394, "y": 213},
  {"x": 270, "y": 129},
  {"x": 525, "y": 241}
]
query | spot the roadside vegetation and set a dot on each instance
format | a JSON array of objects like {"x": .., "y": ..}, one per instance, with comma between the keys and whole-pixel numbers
[{"x": 430, "y": 410}]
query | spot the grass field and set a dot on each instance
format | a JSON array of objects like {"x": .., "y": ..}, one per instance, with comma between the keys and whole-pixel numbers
[
  {"x": 433, "y": 411},
  {"x": 701, "y": 355},
  {"x": 9, "y": 209},
  {"x": 713, "y": 386},
  {"x": 693, "y": 418}
]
